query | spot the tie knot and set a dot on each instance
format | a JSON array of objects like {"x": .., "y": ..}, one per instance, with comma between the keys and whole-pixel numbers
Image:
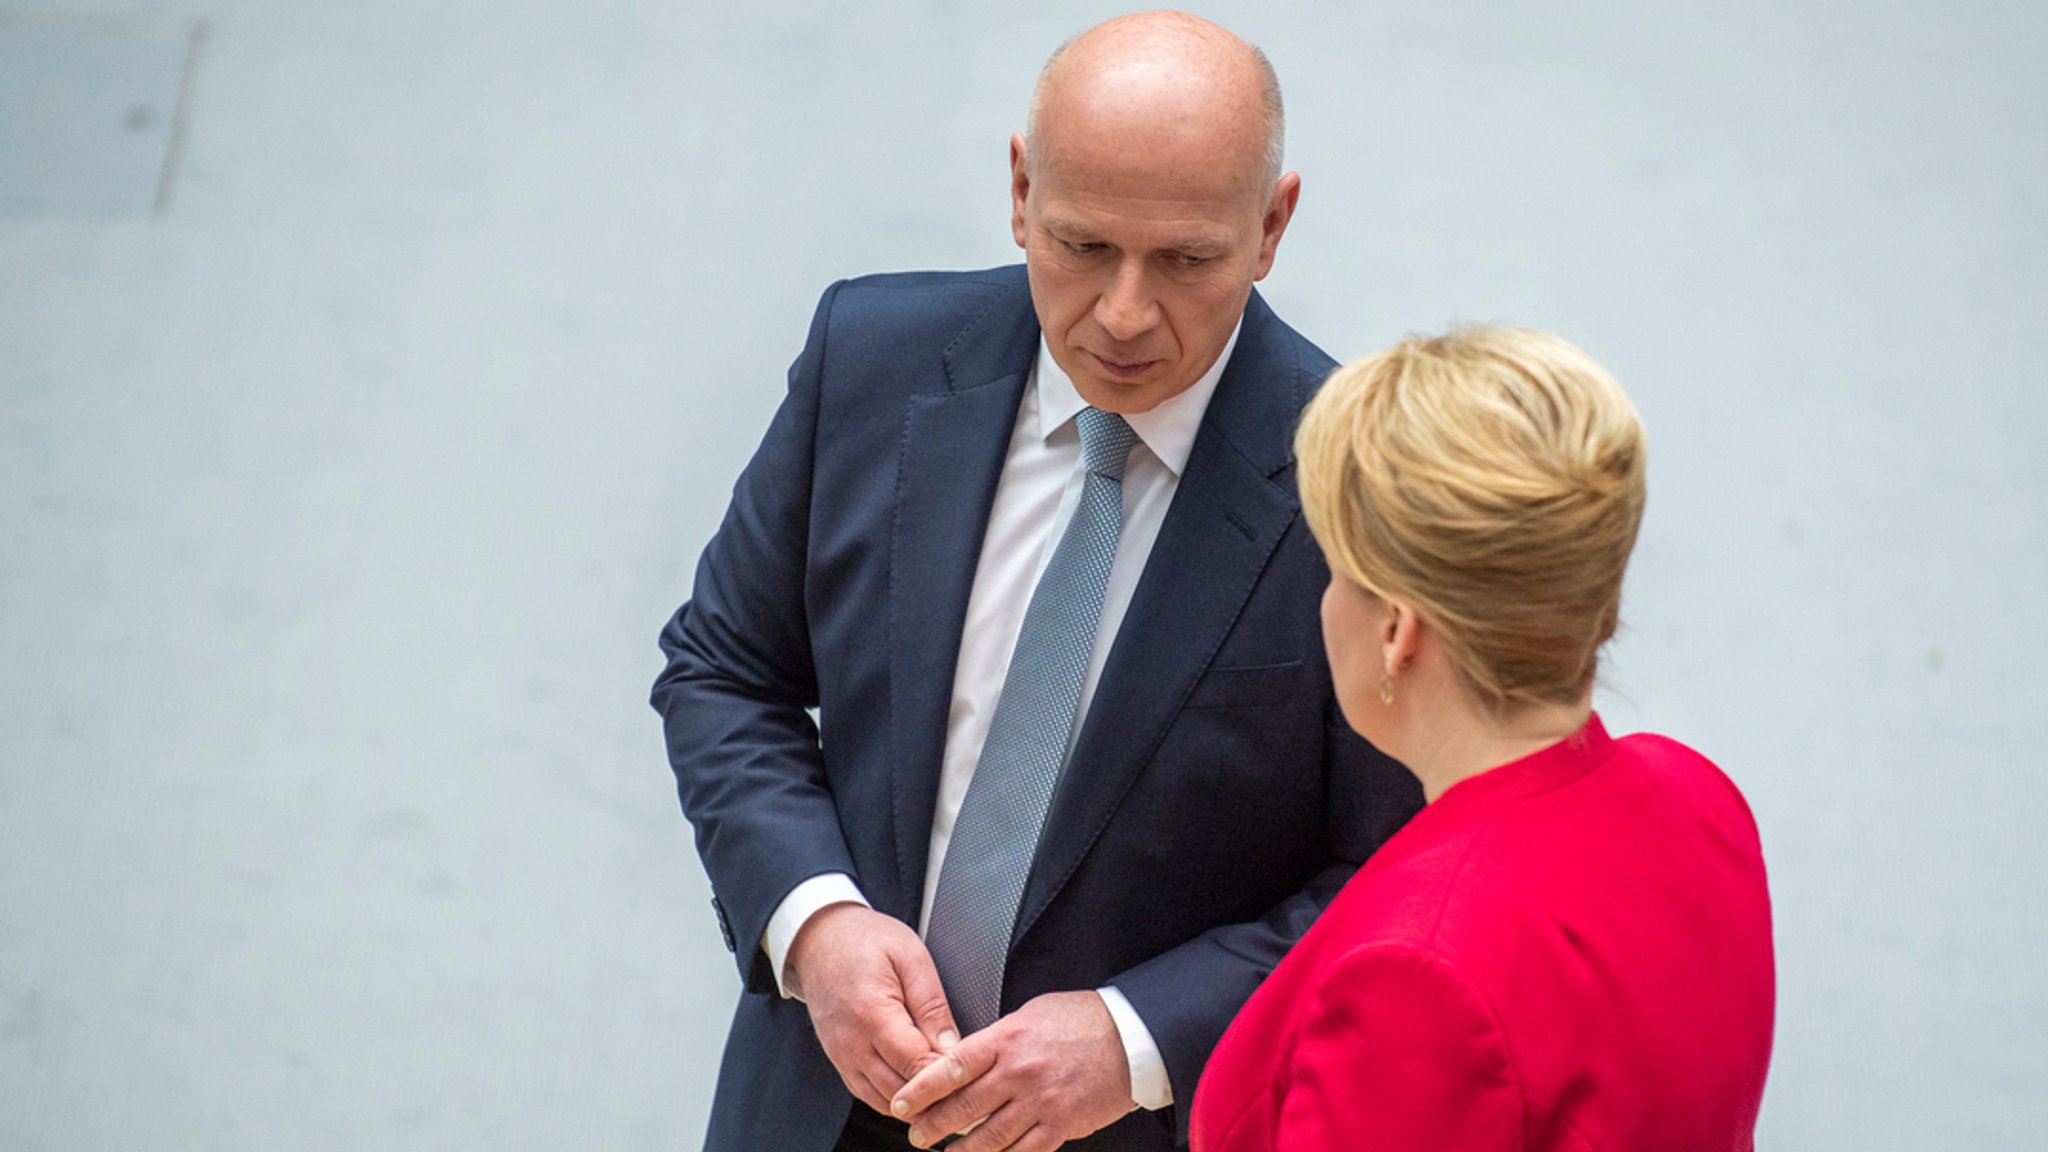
[{"x": 1105, "y": 442}]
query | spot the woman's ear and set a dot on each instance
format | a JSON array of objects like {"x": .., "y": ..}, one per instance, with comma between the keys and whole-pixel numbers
[{"x": 1401, "y": 638}]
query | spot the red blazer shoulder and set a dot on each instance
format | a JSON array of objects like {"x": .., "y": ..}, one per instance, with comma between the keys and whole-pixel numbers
[{"x": 1570, "y": 952}]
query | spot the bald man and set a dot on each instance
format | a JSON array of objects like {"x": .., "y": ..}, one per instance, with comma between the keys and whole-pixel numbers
[{"x": 1143, "y": 834}]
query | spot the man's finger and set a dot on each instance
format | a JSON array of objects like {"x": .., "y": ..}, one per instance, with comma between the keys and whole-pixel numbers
[
  {"x": 925, "y": 998},
  {"x": 1010, "y": 1128},
  {"x": 864, "y": 1090},
  {"x": 935, "y": 1083},
  {"x": 887, "y": 1081},
  {"x": 966, "y": 1063},
  {"x": 901, "y": 1046}
]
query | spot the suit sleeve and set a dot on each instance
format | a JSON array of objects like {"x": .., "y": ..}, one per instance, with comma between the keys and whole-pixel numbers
[
  {"x": 1188, "y": 996},
  {"x": 1399, "y": 1053},
  {"x": 739, "y": 679}
]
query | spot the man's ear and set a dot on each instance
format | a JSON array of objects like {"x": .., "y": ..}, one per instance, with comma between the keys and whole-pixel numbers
[
  {"x": 1286, "y": 194},
  {"x": 1020, "y": 187}
]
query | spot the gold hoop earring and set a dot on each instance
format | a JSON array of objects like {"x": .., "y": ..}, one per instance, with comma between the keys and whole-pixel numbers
[{"x": 1387, "y": 690}]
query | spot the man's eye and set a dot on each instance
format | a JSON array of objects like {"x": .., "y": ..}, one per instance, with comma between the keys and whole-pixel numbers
[
  {"x": 1184, "y": 260},
  {"x": 1081, "y": 248}
]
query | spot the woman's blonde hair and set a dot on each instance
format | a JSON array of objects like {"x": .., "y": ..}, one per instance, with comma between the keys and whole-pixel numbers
[{"x": 1492, "y": 478}]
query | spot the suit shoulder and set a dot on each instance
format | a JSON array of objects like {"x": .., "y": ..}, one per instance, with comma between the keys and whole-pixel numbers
[
  {"x": 927, "y": 292},
  {"x": 1684, "y": 772},
  {"x": 1310, "y": 360},
  {"x": 1315, "y": 364},
  {"x": 884, "y": 314}
]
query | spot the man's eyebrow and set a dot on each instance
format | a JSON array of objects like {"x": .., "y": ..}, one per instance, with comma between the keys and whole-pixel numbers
[{"x": 1187, "y": 244}]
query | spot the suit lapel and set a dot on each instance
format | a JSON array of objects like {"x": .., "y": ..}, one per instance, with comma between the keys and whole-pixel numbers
[
  {"x": 954, "y": 442},
  {"x": 1227, "y": 516}
]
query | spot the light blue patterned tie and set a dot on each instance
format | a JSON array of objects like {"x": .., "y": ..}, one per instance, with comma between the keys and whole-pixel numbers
[{"x": 981, "y": 881}]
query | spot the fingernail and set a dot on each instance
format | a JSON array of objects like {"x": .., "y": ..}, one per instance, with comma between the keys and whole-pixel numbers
[
  {"x": 917, "y": 1137},
  {"x": 958, "y": 1069},
  {"x": 899, "y": 1108},
  {"x": 947, "y": 1040}
]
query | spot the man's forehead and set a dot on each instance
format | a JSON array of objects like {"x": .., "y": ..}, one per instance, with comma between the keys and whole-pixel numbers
[{"x": 1183, "y": 163}]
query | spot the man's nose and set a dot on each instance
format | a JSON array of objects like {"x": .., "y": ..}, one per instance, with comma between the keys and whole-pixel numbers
[{"x": 1127, "y": 309}]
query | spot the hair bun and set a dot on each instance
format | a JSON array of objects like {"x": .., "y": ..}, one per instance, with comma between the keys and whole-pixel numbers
[{"x": 1492, "y": 477}]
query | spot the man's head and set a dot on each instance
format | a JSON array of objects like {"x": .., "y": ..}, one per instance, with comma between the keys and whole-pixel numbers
[{"x": 1147, "y": 197}]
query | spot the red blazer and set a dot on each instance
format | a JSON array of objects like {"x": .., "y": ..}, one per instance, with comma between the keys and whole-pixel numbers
[{"x": 1572, "y": 951}]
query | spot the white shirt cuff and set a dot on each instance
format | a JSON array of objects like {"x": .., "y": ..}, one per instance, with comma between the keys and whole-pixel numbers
[
  {"x": 803, "y": 902},
  {"x": 1150, "y": 1088}
]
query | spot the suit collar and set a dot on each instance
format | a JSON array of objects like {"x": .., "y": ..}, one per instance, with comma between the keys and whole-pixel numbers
[
  {"x": 1246, "y": 410},
  {"x": 999, "y": 340}
]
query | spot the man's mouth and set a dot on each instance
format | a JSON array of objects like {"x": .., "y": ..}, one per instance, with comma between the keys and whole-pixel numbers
[{"x": 1122, "y": 369}]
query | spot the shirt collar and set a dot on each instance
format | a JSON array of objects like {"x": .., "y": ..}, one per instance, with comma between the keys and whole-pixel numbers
[{"x": 1168, "y": 430}]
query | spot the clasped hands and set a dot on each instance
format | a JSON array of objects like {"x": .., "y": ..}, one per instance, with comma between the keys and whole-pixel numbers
[{"x": 1052, "y": 1071}]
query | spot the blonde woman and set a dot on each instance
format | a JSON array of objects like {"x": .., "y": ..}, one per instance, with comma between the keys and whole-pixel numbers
[{"x": 1570, "y": 947}]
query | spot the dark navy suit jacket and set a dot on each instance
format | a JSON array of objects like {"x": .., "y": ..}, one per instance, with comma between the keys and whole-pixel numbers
[{"x": 1215, "y": 800}]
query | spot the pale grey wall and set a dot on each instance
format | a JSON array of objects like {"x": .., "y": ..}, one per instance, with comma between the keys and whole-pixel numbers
[{"x": 340, "y": 503}]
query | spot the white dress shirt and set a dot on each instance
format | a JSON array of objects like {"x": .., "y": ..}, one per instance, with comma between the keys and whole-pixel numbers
[{"x": 1036, "y": 496}]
